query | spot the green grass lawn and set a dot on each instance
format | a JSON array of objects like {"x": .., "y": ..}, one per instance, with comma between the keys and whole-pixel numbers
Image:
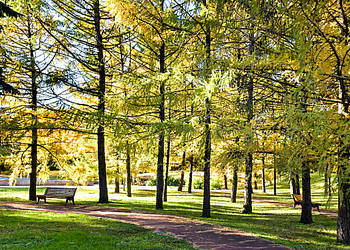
[
  {"x": 34, "y": 230},
  {"x": 276, "y": 223}
]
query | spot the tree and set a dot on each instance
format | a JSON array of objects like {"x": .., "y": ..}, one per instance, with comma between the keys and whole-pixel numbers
[
  {"x": 28, "y": 55},
  {"x": 87, "y": 36}
]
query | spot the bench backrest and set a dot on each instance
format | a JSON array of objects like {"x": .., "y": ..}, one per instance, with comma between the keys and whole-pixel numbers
[
  {"x": 60, "y": 191},
  {"x": 298, "y": 197}
]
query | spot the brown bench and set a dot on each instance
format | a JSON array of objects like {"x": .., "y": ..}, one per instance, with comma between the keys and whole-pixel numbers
[
  {"x": 58, "y": 193},
  {"x": 298, "y": 200}
]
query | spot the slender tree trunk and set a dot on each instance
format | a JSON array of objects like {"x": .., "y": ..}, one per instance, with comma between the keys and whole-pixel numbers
[
  {"x": 165, "y": 198},
  {"x": 207, "y": 129},
  {"x": 343, "y": 225},
  {"x": 183, "y": 164},
  {"x": 207, "y": 156},
  {"x": 116, "y": 180},
  {"x": 274, "y": 180},
  {"x": 182, "y": 177},
  {"x": 34, "y": 145},
  {"x": 292, "y": 183},
  {"x": 247, "y": 207},
  {"x": 128, "y": 171},
  {"x": 190, "y": 174},
  {"x": 225, "y": 181},
  {"x": 102, "y": 173},
  {"x": 234, "y": 185},
  {"x": 306, "y": 209},
  {"x": 255, "y": 182},
  {"x": 297, "y": 184},
  {"x": 327, "y": 182},
  {"x": 263, "y": 184},
  {"x": 160, "y": 162}
]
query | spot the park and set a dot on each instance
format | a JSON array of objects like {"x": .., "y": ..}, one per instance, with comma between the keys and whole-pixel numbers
[{"x": 178, "y": 124}]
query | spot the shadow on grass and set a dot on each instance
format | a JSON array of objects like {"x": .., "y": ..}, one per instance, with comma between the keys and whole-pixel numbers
[{"x": 33, "y": 230}]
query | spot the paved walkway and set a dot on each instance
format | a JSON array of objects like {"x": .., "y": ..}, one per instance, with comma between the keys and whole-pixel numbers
[{"x": 201, "y": 234}]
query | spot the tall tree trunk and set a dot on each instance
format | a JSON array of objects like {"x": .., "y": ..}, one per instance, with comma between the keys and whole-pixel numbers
[
  {"x": 292, "y": 182},
  {"x": 255, "y": 182},
  {"x": 274, "y": 180},
  {"x": 297, "y": 184},
  {"x": 263, "y": 184},
  {"x": 182, "y": 177},
  {"x": 207, "y": 156},
  {"x": 34, "y": 163},
  {"x": 234, "y": 185},
  {"x": 165, "y": 198},
  {"x": 225, "y": 181},
  {"x": 327, "y": 182},
  {"x": 160, "y": 162},
  {"x": 248, "y": 190},
  {"x": 247, "y": 207},
  {"x": 343, "y": 225},
  {"x": 128, "y": 171},
  {"x": 190, "y": 175},
  {"x": 183, "y": 164},
  {"x": 34, "y": 144},
  {"x": 306, "y": 209},
  {"x": 207, "y": 122},
  {"x": 117, "y": 184},
  {"x": 102, "y": 173}
]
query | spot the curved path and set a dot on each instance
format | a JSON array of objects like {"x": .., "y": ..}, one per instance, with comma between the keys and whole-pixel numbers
[{"x": 201, "y": 234}]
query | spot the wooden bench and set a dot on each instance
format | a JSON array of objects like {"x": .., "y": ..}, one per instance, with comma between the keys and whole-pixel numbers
[
  {"x": 298, "y": 200},
  {"x": 58, "y": 193}
]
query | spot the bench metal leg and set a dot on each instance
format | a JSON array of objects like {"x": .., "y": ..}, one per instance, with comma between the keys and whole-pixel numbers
[{"x": 69, "y": 199}]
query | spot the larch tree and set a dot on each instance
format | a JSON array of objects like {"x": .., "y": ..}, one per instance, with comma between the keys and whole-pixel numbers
[
  {"x": 155, "y": 50},
  {"x": 29, "y": 53},
  {"x": 88, "y": 36}
]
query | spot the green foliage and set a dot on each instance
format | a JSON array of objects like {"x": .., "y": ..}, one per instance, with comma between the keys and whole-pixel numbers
[
  {"x": 198, "y": 183},
  {"x": 215, "y": 184},
  {"x": 151, "y": 182},
  {"x": 172, "y": 181}
]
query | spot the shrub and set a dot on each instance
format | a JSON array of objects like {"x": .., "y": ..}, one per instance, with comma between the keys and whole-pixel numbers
[
  {"x": 215, "y": 184},
  {"x": 198, "y": 183},
  {"x": 151, "y": 182},
  {"x": 172, "y": 181}
]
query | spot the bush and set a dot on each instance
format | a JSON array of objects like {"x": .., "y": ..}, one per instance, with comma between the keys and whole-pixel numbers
[
  {"x": 172, "y": 181},
  {"x": 198, "y": 183},
  {"x": 151, "y": 182},
  {"x": 215, "y": 184}
]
